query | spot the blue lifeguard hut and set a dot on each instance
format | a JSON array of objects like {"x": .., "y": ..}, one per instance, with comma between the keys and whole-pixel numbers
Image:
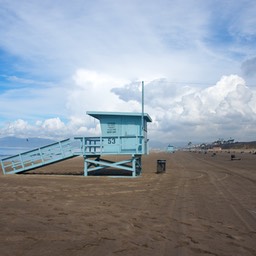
[
  {"x": 123, "y": 133},
  {"x": 170, "y": 149}
]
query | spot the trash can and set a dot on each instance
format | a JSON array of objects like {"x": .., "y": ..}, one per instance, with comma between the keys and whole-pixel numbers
[{"x": 161, "y": 166}]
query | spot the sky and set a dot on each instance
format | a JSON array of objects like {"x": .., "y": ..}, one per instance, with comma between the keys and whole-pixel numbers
[{"x": 197, "y": 58}]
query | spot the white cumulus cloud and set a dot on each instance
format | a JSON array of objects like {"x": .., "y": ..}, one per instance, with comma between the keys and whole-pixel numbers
[
  {"x": 224, "y": 109},
  {"x": 180, "y": 113}
]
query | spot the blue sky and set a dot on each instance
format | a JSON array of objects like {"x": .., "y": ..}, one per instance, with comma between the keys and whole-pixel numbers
[{"x": 59, "y": 59}]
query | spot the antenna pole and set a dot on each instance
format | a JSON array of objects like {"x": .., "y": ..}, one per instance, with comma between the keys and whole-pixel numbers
[{"x": 142, "y": 107}]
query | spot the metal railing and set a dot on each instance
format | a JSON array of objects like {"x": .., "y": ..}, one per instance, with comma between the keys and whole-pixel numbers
[
  {"x": 37, "y": 157},
  {"x": 111, "y": 145}
]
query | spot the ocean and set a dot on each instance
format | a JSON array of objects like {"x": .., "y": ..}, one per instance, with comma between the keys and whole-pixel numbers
[{"x": 10, "y": 151}]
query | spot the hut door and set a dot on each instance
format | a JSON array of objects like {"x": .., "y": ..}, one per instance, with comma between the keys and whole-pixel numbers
[{"x": 129, "y": 133}]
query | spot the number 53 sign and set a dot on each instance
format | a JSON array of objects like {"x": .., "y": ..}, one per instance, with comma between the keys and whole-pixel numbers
[{"x": 111, "y": 141}]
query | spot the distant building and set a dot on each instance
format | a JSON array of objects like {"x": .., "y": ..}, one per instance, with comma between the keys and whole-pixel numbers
[{"x": 216, "y": 148}]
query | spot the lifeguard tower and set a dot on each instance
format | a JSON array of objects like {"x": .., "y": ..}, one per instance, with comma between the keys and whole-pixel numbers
[
  {"x": 122, "y": 134},
  {"x": 170, "y": 149}
]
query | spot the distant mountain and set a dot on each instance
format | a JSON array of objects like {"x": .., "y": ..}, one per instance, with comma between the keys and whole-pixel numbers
[{"x": 24, "y": 142}]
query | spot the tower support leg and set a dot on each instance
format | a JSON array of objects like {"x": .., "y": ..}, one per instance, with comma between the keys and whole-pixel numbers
[
  {"x": 136, "y": 165},
  {"x": 85, "y": 167},
  {"x": 134, "y": 159}
]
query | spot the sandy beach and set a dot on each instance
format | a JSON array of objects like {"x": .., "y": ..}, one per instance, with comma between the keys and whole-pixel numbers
[{"x": 203, "y": 204}]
